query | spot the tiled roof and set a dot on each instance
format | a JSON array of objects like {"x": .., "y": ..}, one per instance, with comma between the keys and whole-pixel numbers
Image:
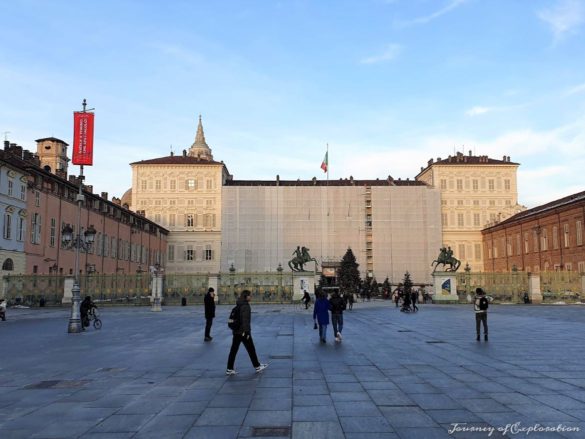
[
  {"x": 177, "y": 160},
  {"x": 561, "y": 202},
  {"x": 315, "y": 182}
]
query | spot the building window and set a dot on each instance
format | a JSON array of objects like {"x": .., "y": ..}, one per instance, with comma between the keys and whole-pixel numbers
[
  {"x": 209, "y": 183},
  {"x": 190, "y": 184},
  {"x": 476, "y": 219},
  {"x": 566, "y": 235},
  {"x": 459, "y": 203},
  {"x": 37, "y": 199},
  {"x": 507, "y": 184},
  {"x": 114, "y": 248},
  {"x": 10, "y": 188},
  {"x": 476, "y": 202},
  {"x": 157, "y": 185},
  {"x": 459, "y": 184},
  {"x": 475, "y": 185},
  {"x": 208, "y": 253},
  {"x": 171, "y": 219},
  {"x": 35, "y": 231},
  {"x": 173, "y": 185},
  {"x": 491, "y": 185},
  {"x": 445, "y": 222},
  {"x": 143, "y": 184},
  {"x": 492, "y": 203},
  {"x": 509, "y": 249},
  {"x": 581, "y": 267},
  {"x": 544, "y": 239},
  {"x": 21, "y": 229},
  {"x": 189, "y": 254},
  {"x": 443, "y": 184},
  {"x": 535, "y": 240},
  {"x": 579, "y": 226},
  {"x": 461, "y": 254},
  {"x": 526, "y": 243},
  {"x": 157, "y": 218},
  {"x": 477, "y": 249},
  {"x": 508, "y": 202},
  {"x": 555, "y": 237},
  {"x": 53, "y": 232},
  {"x": 171, "y": 253},
  {"x": 189, "y": 222},
  {"x": 568, "y": 266},
  {"x": 23, "y": 192},
  {"x": 8, "y": 265},
  {"x": 518, "y": 245},
  {"x": 460, "y": 220},
  {"x": 190, "y": 202},
  {"x": 7, "y": 226},
  {"x": 209, "y": 203}
]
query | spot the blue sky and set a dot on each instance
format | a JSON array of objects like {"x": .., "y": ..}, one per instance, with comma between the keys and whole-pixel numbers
[{"x": 387, "y": 83}]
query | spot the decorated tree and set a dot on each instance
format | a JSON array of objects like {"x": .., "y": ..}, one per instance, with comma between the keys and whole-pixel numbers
[
  {"x": 407, "y": 285},
  {"x": 349, "y": 275}
]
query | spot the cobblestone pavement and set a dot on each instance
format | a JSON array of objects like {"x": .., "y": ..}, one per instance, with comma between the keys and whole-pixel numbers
[{"x": 395, "y": 375}]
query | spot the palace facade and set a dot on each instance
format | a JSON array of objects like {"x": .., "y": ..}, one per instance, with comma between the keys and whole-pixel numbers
[{"x": 476, "y": 191}]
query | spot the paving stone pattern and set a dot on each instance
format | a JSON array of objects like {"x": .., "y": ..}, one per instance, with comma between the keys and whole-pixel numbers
[{"x": 150, "y": 375}]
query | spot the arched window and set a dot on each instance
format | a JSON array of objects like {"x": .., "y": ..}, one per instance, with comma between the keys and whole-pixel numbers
[{"x": 8, "y": 265}]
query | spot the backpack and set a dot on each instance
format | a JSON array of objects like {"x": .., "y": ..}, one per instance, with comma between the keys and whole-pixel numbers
[
  {"x": 234, "y": 320},
  {"x": 483, "y": 303}
]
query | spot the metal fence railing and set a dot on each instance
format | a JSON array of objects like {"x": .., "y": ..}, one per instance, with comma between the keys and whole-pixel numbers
[{"x": 502, "y": 287}]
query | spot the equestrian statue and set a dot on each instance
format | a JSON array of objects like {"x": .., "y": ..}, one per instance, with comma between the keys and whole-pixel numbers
[
  {"x": 302, "y": 257},
  {"x": 446, "y": 258}
]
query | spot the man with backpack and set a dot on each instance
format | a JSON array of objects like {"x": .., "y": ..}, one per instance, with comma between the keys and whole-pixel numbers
[
  {"x": 480, "y": 306},
  {"x": 240, "y": 323},
  {"x": 337, "y": 305}
]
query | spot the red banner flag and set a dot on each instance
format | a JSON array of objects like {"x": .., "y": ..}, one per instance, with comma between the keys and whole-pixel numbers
[{"x": 82, "y": 138}]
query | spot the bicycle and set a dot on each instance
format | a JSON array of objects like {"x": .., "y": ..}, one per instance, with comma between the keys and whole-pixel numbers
[{"x": 93, "y": 315}]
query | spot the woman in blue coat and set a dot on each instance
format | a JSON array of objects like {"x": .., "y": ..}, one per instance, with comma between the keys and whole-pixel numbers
[{"x": 321, "y": 316}]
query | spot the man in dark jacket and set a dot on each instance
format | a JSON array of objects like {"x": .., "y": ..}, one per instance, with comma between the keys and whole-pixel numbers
[
  {"x": 244, "y": 335},
  {"x": 480, "y": 306},
  {"x": 209, "y": 301},
  {"x": 337, "y": 305}
]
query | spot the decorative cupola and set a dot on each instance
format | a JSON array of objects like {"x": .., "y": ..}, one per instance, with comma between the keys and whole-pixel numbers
[{"x": 200, "y": 149}]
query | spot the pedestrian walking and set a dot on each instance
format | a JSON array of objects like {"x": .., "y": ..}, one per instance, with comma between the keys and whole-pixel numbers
[
  {"x": 3, "y": 309},
  {"x": 413, "y": 299},
  {"x": 397, "y": 294},
  {"x": 209, "y": 301},
  {"x": 306, "y": 299},
  {"x": 321, "y": 316},
  {"x": 337, "y": 305},
  {"x": 243, "y": 334},
  {"x": 480, "y": 306},
  {"x": 349, "y": 300}
]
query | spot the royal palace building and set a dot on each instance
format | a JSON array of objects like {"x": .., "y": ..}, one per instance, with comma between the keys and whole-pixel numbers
[
  {"x": 476, "y": 191},
  {"x": 217, "y": 222}
]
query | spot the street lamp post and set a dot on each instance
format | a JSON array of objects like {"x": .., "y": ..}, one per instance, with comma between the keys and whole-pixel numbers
[{"x": 79, "y": 243}]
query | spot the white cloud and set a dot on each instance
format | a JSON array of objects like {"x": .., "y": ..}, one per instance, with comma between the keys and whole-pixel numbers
[
  {"x": 475, "y": 111},
  {"x": 575, "y": 90},
  {"x": 390, "y": 53},
  {"x": 453, "y": 4},
  {"x": 564, "y": 17}
]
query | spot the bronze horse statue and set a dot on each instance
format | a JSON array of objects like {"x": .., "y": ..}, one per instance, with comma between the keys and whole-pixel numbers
[
  {"x": 446, "y": 258},
  {"x": 302, "y": 257}
]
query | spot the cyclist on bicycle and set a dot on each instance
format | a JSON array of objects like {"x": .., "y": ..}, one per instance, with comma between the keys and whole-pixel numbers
[{"x": 85, "y": 309}]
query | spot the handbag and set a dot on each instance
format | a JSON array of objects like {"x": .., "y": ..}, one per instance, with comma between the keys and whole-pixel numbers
[{"x": 315, "y": 325}]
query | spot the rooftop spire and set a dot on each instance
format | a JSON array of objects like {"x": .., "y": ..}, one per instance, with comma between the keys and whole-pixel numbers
[{"x": 200, "y": 148}]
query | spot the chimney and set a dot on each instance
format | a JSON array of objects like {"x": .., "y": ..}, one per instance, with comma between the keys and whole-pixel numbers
[
  {"x": 470, "y": 153},
  {"x": 89, "y": 188},
  {"x": 172, "y": 153},
  {"x": 6, "y": 144},
  {"x": 184, "y": 153},
  {"x": 105, "y": 195},
  {"x": 430, "y": 162},
  {"x": 61, "y": 173}
]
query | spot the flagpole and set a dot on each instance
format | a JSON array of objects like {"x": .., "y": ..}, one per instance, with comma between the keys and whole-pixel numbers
[{"x": 327, "y": 164}]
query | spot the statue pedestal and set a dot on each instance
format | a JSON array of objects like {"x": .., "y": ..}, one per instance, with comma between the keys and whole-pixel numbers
[
  {"x": 303, "y": 280},
  {"x": 445, "y": 283}
]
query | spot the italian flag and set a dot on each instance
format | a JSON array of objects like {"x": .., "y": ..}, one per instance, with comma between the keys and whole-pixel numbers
[{"x": 325, "y": 162}]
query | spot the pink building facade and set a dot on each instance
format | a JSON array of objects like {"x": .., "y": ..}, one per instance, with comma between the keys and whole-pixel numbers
[{"x": 125, "y": 242}]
